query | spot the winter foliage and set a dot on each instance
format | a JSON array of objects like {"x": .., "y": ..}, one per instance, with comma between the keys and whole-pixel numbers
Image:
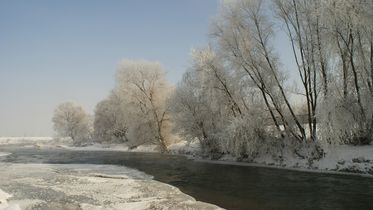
[
  {"x": 235, "y": 97},
  {"x": 70, "y": 120},
  {"x": 110, "y": 122},
  {"x": 137, "y": 109}
]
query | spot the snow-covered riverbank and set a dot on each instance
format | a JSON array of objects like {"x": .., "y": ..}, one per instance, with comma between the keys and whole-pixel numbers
[
  {"x": 66, "y": 143},
  {"x": 112, "y": 147},
  {"x": 338, "y": 158},
  {"x": 342, "y": 159},
  {"x": 45, "y": 186}
]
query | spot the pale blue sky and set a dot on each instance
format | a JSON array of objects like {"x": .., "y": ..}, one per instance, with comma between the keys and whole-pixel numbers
[{"x": 56, "y": 51}]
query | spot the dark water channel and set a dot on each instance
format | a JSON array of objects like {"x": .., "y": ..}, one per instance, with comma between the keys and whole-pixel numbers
[{"x": 228, "y": 186}]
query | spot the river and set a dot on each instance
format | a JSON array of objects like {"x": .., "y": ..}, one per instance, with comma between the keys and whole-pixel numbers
[{"x": 228, "y": 186}]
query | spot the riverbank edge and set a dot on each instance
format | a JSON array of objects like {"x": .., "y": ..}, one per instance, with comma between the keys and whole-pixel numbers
[
  {"x": 338, "y": 159},
  {"x": 261, "y": 165},
  {"x": 200, "y": 158},
  {"x": 192, "y": 152},
  {"x": 306, "y": 170}
]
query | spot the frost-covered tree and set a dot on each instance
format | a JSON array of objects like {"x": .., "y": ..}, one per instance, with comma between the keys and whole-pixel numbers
[
  {"x": 211, "y": 98},
  {"x": 217, "y": 79},
  {"x": 331, "y": 42},
  {"x": 306, "y": 31},
  {"x": 349, "y": 33},
  {"x": 110, "y": 120},
  {"x": 144, "y": 90},
  {"x": 243, "y": 33},
  {"x": 72, "y": 121},
  {"x": 193, "y": 113},
  {"x": 235, "y": 97}
]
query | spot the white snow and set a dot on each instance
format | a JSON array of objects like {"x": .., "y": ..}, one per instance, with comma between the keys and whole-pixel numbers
[
  {"x": 66, "y": 143},
  {"x": 186, "y": 148},
  {"x": 4, "y": 205},
  {"x": 4, "y": 154},
  {"x": 343, "y": 157},
  {"x": 4, "y": 197},
  {"x": 84, "y": 186},
  {"x": 38, "y": 142},
  {"x": 145, "y": 148},
  {"x": 338, "y": 159},
  {"x": 88, "y": 187},
  {"x": 97, "y": 147},
  {"x": 113, "y": 147},
  {"x": 17, "y": 140}
]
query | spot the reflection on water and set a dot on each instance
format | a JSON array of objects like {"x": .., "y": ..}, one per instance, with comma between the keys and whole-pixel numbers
[{"x": 231, "y": 187}]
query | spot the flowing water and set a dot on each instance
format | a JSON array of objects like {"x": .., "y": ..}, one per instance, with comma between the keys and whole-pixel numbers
[{"x": 228, "y": 186}]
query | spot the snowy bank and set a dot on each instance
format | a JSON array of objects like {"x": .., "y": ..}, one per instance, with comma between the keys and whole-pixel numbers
[
  {"x": 66, "y": 143},
  {"x": 22, "y": 140},
  {"x": 112, "y": 147},
  {"x": 338, "y": 159},
  {"x": 44, "y": 186},
  {"x": 34, "y": 141},
  {"x": 186, "y": 148}
]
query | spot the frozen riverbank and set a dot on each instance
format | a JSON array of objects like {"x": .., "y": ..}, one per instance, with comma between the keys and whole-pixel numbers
[
  {"x": 338, "y": 158},
  {"x": 75, "y": 186},
  {"x": 341, "y": 159},
  {"x": 66, "y": 143}
]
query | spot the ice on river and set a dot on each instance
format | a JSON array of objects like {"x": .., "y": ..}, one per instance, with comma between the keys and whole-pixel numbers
[
  {"x": 4, "y": 202},
  {"x": 4, "y": 154},
  {"x": 85, "y": 186}
]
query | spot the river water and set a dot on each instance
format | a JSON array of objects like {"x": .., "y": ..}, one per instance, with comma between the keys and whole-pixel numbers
[{"x": 228, "y": 186}]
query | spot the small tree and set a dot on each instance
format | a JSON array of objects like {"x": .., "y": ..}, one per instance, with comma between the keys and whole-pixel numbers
[{"x": 71, "y": 121}]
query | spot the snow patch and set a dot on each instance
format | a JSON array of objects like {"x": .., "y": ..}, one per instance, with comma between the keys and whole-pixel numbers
[
  {"x": 4, "y": 154},
  {"x": 145, "y": 148},
  {"x": 97, "y": 147},
  {"x": 186, "y": 148},
  {"x": 113, "y": 147},
  {"x": 338, "y": 159},
  {"x": 14, "y": 140},
  {"x": 86, "y": 186},
  {"x": 4, "y": 205},
  {"x": 4, "y": 197}
]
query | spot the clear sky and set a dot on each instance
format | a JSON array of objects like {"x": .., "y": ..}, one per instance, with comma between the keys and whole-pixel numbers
[{"x": 56, "y": 51}]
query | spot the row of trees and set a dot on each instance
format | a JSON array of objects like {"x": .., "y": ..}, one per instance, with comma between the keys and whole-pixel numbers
[
  {"x": 235, "y": 97},
  {"x": 136, "y": 112}
]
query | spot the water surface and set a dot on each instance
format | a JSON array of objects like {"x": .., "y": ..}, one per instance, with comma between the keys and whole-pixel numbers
[{"x": 228, "y": 186}]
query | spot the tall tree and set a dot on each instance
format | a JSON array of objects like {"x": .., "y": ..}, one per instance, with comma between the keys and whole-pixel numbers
[{"x": 145, "y": 92}]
